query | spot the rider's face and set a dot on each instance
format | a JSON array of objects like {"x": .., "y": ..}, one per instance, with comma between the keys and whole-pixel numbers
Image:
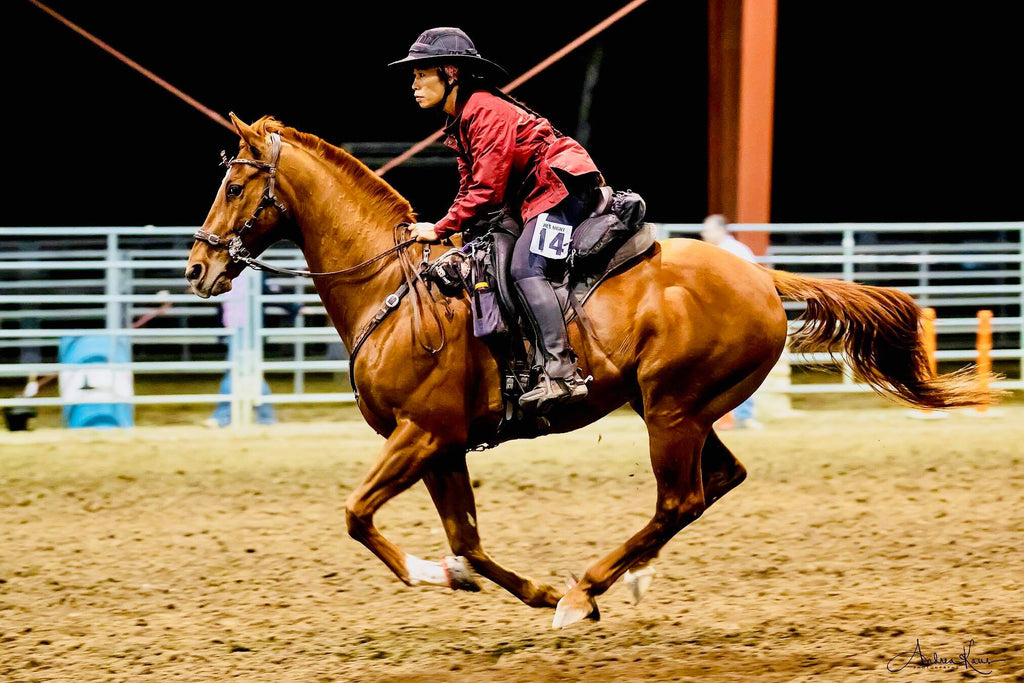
[{"x": 427, "y": 87}]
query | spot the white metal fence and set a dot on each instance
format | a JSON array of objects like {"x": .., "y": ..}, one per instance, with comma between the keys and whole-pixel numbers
[
  {"x": 61, "y": 282},
  {"x": 956, "y": 268}
]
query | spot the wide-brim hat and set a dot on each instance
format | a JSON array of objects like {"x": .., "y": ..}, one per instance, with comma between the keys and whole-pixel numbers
[{"x": 449, "y": 45}]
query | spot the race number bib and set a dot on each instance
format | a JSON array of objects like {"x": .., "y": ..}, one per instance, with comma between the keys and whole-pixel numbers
[{"x": 550, "y": 239}]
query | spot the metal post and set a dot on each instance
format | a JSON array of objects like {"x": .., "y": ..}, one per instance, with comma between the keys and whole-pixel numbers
[
  {"x": 849, "y": 274},
  {"x": 923, "y": 277},
  {"x": 849, "y": 250},
  {"x": 115, "y": 318},
  {"x": 255, "y": 325},
  {"x": 245, "y": 386},
  {"x": 299, "y": 378},
  {"x": 1020, "y": 306},
  {"x": 237, "y": 342}
]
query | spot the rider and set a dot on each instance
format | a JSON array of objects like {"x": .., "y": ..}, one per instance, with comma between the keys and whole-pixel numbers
[{"x": 509, "y": 156}]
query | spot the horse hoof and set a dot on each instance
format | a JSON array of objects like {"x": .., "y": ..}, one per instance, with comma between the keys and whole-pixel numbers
[
  {"x": 575, "y": 606},
  {"x": 545, "y": 596},
  {"x": 460, "y": 574},
  {"x": 638, "y": 582}
]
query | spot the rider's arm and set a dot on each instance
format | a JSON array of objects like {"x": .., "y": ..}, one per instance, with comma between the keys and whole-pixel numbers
[{"x": 491, "y": 137}]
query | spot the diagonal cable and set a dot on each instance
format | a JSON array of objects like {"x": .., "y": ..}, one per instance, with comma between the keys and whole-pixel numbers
[
  {"x": 554, "y": 57},
  {"x": 138, "y": 67}
]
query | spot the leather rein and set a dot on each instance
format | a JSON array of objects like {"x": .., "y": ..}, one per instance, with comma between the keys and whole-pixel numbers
[
  {"x": 237, "y": 250},
  {"x": 238, "y": 253}
]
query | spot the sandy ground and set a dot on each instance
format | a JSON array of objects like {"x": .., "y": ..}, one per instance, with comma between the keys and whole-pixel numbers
[{"x": 188, "y": 554}]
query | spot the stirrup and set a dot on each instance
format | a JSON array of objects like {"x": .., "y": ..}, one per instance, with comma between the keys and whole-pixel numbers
[
  {"x": 575, "y": 388},
  {"x": 544, "y": 391},
  {"x": 559, "y": 390}
]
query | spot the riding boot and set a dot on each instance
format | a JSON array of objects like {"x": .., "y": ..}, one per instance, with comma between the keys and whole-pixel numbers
[{"x": 559, "y": 380}]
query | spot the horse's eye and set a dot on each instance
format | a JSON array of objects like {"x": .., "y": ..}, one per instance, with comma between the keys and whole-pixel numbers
[{"x": 234, "y": 190}]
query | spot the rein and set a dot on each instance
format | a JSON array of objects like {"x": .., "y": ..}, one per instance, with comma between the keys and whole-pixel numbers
[
  {"x": 256, "y": 264},
  {"x": 237, "y": 250}
]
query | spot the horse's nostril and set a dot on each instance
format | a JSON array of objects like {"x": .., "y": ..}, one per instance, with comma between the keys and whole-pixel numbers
[{"x": 194, "y": 272}]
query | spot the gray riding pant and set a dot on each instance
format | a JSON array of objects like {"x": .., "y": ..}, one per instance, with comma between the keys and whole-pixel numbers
[{"x": 571, "y": 211}]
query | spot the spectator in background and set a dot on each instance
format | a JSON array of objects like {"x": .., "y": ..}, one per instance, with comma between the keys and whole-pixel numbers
[
  {"x": 716, "y": 232},
  {"x": 234, "y": 312}
]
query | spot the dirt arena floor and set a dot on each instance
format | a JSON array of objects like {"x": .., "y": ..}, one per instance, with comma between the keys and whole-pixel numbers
[{"x": 187, "y": 554}]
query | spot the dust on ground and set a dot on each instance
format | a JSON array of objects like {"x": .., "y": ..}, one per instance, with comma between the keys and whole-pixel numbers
[{"x": 189, "y": 554}]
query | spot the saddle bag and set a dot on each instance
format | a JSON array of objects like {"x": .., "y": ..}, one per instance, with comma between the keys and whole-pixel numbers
[
  {"x": 488, "y": 320},
  {"x": 594, "y": 235},
  {"x": 599, "y": 234},
  {"x": 629, "y": 207}
]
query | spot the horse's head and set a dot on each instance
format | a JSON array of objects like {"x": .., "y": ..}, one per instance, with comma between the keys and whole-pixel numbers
[{"x": 246, "y": 217}]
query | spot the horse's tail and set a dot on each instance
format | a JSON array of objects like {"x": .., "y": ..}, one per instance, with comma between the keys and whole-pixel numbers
[{"x": 878, "y": 328}]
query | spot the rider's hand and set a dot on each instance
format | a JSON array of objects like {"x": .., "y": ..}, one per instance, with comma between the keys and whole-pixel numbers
[{"x": 424, "y": 232}]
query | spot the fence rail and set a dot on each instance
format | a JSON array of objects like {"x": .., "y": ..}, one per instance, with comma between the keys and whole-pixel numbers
[{"x": 108, "y": 277}]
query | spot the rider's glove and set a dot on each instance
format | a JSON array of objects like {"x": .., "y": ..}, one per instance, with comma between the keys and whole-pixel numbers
[{"x": 424, "y": 232}]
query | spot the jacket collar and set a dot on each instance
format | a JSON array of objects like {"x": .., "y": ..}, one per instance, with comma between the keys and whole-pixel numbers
[{"x": 451, "y": 125}]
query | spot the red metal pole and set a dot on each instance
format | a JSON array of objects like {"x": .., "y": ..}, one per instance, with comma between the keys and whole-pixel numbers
[{"x": 757, "y": 104}]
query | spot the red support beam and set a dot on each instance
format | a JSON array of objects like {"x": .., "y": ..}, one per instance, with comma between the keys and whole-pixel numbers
[
  {"x": 723, "y": 104},
  {"x": 756, "y": 124}
]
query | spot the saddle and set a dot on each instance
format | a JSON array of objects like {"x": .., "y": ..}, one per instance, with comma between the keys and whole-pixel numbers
[{"x": 614, "y": 237}]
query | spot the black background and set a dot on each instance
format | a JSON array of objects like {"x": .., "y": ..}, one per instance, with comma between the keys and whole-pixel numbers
[{"x": 881, "y": 115}]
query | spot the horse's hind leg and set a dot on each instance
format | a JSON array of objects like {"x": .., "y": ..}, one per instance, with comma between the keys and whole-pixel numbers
[
  {"x": 676, "y": 444},
  {"x": 449, "y": 486},
  {"x": 720, "y": 473}
]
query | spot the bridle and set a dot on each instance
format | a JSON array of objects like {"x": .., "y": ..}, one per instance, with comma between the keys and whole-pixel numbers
[
  {"x": 237, "y": 250},
  {"x": 238, "y": 253}
]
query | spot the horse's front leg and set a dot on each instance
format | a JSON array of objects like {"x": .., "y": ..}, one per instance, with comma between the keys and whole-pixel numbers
[
  {"x": 399, "y": 466},
  {"x": 448, "y": 481}
]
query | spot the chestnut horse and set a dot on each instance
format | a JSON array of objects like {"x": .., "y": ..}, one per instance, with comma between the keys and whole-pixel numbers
[{"x": 683, "y": 336}]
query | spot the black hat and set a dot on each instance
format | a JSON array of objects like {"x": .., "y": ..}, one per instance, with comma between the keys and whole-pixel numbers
[{"x": 448, "y": 45}]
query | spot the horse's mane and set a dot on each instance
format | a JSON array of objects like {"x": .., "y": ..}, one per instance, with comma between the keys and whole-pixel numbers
[{"x": 376, "y": 188}]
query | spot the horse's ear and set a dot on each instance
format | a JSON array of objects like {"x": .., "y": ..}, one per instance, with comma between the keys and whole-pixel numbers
[{"x": 243, "y": 129}]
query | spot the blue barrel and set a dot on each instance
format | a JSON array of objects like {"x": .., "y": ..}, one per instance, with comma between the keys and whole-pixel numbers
[{"x": 102, "y": 382}]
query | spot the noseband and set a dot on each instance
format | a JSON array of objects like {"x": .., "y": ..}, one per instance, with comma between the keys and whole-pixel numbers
[{"x": 236, "y": 249}]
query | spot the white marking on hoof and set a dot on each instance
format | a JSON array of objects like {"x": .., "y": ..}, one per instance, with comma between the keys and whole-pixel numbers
[
  {"x": 639, "y": 581},
  {"x": 566, "y": 615},
  {"x": 461, "y": 576},
  {"x": 575, "y": 606},
  {"x": 425, "y": 572},
  {"x": 451, "y": 572}
]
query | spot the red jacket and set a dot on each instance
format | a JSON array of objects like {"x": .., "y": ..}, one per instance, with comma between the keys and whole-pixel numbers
[{"x": 507, "y": 155}]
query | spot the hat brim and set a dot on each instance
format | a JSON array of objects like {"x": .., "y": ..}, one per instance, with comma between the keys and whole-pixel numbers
[{"x": 479, "y": 65}]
